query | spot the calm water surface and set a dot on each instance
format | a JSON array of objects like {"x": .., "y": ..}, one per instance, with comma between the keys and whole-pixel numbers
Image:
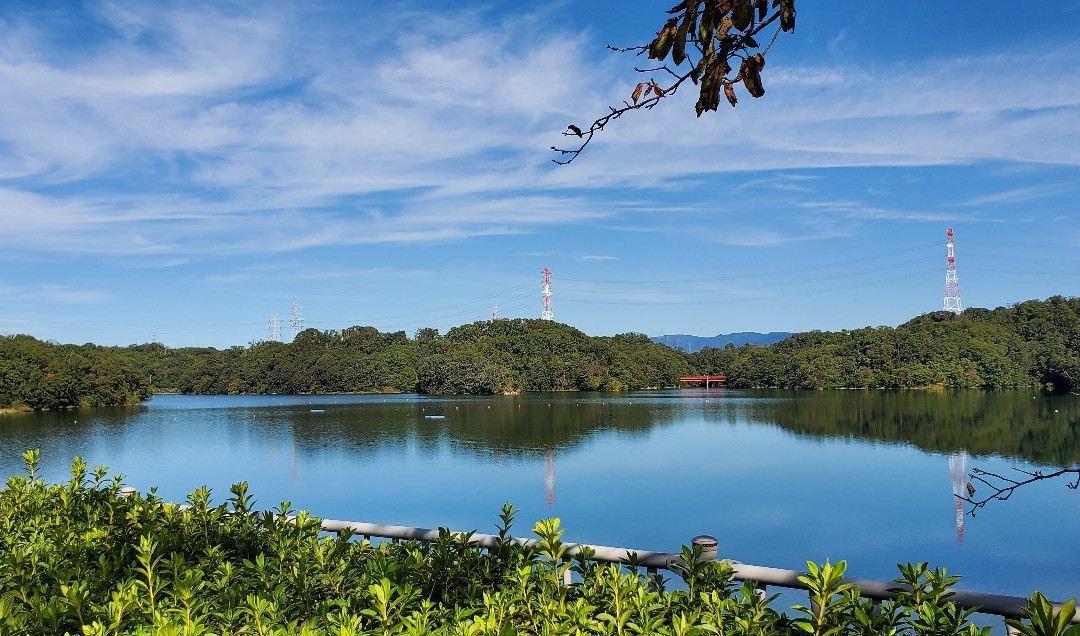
[{"x": 778, "y": 477}]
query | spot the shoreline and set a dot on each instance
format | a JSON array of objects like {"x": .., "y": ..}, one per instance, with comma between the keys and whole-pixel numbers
[{"x": 9, "y": 411}]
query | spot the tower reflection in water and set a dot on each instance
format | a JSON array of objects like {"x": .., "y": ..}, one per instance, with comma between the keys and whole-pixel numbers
[
  {"x": 958, "y": 466},
  {"x": 549, "y": 477}
]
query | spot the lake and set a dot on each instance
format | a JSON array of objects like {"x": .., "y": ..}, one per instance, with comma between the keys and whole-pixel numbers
[{"x": 778, "y": 477}]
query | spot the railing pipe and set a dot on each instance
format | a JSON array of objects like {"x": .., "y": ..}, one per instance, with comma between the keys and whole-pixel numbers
[
  {"x": 997, "y": 604},
  {"x": 600, "y": 552},
  {"x": 993, "y": 604},
  {"x": 983, "y": 603}
]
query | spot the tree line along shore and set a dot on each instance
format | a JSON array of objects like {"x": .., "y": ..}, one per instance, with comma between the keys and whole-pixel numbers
[{"x": 1029, "y": 344}]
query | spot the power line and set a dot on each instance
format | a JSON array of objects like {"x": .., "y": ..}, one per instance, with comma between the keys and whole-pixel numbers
[
  {"x": 803, "y": 292},
  {"x": 794, "y": 281},
  {"x": 802, "y": 268}
]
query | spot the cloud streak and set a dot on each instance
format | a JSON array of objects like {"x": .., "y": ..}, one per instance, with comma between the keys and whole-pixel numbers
[
  {"x": 53, "y": 293},
  {"x": 215, "y": 130}
]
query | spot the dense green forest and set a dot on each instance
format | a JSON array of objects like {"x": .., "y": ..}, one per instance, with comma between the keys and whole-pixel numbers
[
  {"x": 501, "y": 356},
  {"x": 498, "y": 356},
  {"x": 1035, "y": 343},
  {"x": 41, "y": 375}
]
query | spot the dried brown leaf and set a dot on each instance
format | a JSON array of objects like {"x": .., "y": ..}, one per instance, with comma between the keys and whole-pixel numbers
[{"x": 729, "y": 92}]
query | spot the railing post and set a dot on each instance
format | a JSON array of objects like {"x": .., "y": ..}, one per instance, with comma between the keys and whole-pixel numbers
[
  {"x": 653, "y": 578},
  {"x": 708, "y": 545}
]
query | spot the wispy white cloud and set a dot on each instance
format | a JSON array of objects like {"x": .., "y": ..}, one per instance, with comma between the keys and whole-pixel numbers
[
  {"x": 242, "y": 133},
  {"x": 1019, "y": 195},
  {"x": 785, "y": 182},
  {"x": 838, "y": 41},
  {"x": 65, "y": 294},
  {"x": 856, "y": 210},
  {"x": 299, "y": 272},
  {"x": 53, "y": 292},
  {"x": 743, "y": 235},
  {"x": 955, "y": 111},
  {"x": 122, "y": 21}
]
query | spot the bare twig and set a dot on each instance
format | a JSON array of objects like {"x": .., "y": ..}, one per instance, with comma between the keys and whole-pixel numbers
[
  {"x": 626, "y": 49},
  {"x": 647, "y": 103},
  {"x": 1002, "y": 487}
]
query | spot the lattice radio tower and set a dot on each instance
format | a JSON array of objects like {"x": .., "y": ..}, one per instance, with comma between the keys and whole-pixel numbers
[
  {"x": 547, "y": 314},
  {"x": 495, "y": 313},
  {"x": 295, "y": 320},
  {"x": 952, "y": 283},
  {"x": 275, "y": 327}
]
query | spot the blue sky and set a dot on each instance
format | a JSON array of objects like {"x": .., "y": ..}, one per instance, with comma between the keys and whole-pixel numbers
[{"x": 178, "y": 171}]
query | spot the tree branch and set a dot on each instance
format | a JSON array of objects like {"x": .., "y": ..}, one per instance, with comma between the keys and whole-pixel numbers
[
  {"x": 657, "y": 93},
  {"x": 709, "y": 31},
  {"x": 1002, "y": 487}
]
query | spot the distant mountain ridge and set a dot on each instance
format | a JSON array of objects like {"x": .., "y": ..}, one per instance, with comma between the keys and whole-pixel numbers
[{"x": 693, "y": 344}]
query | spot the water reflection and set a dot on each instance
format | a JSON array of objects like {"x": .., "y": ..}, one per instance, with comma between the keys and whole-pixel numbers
[
  {"x": 958, "y": 473},
  {"x": 1023, "y": 425},
  {"x": 1039, "y": 428},
  {"x": 492, "y": 428},
  {"x": 549, "y": 477}
]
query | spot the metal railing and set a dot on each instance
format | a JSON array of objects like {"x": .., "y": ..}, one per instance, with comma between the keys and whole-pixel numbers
[
  {"x": 983, "y": 603},
  {"x": 762, "y": 577}
]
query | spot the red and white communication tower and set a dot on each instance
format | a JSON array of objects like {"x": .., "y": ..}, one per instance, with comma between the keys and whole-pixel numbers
[
  {"x": 546, "y": 314},
  {"x": 952, "y": 283}
]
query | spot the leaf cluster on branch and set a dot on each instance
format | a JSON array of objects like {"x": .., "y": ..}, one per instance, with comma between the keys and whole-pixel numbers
[{"x": 711, "y": 43}]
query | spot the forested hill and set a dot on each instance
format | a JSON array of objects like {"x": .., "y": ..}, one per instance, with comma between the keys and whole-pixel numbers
[
  {"x": 1035, "y": 343},
  {"x": 480, "y": 358},
  {"x": 41, "y": 375}
]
